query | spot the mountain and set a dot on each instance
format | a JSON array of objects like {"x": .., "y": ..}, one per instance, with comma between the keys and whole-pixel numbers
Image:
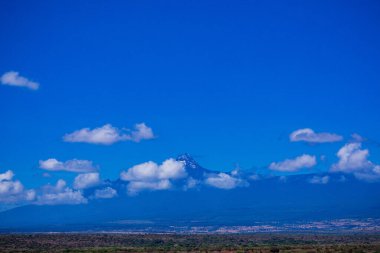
[
  {"x": 192, "y": 167},
  {"x": 295, "y": 198}
]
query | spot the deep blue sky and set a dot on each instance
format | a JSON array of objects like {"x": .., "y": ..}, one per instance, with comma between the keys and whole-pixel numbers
[{"x": 226, "y": 81}]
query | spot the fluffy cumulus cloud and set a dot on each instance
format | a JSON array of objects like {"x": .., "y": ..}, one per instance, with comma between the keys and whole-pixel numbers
[
  {"x": 141, "y": 132},
  {"x": 13, "y": 78},
  {"x": 319, "y": 180},
  {"x": 152, "y": 176},
  {"x": 60, "y": 194},
  {"x": 291, "y": 165},
  {"x": 107, "y": 134},
  {"x": 79, "y": 166},
  {"x": 83, "y": 181},
  {"x": 13, "y": 190},
  {"x": 353, "y": 159},
  {"x": 106, "y": 193},
  {"x": 224, "y": 181},
  {"x": 308, "y": 135}
]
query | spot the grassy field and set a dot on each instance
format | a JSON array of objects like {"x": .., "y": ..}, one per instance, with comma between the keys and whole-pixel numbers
[{"x": 187, "y": 243}]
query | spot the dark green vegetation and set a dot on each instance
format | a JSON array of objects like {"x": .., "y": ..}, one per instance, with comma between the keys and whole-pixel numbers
[{"x": 187, "y": 243}]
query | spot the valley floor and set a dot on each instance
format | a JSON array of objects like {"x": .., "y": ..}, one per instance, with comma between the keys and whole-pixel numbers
[{"x": 107, "y": 242}]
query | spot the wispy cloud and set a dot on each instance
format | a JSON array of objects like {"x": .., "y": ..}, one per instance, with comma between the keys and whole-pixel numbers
[
  {"x": 106, "y": 193},
  {"x": 79, "y": 166},
  {"x": 107, "y": 134},
  {"x": 291, "y": 165},
  {"x": 308, "y": 135},
  {"x": 319, "y": 180},
  {"x": 357, "y": 138},
  {"x": 13, "y": 78}
]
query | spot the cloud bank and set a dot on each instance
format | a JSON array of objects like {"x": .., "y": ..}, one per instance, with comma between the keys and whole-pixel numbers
[
  {"x": 107, "y": 134},
  {"x": 13, "y": 78}
]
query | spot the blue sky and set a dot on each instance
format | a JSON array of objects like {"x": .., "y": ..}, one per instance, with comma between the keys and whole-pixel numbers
[{"x": 226, "y": 81}]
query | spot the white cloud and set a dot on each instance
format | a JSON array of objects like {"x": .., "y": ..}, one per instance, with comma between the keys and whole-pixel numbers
[
  {"x": 141, "y": 132},
  {"x": 59, "y": 194},
  {"x": 13, "y": 190},
  {"x": 66, "y": 197},
  {"x": 224, "y": 181},
  {"x": 10, "y": 187},
  {"x": 354, "y": 159},
  {"x": 58, "y": 187},
  {"x": 308, "y": 135},
  {"x": 290, "y": 165},
  {"x": 150, "y": 175},
  {"x": 107, "y": 134},
  {"x": 319, "y": 180},
  {"x": 136, "y": 186},
  {"x": 254, "y": 177},
  {"x": 8, "y": 175},
  {"x": 151, "y": 171},
  {"x": 79, "y": 166},
  {"x": 13, "y": 78},
  {"x": 83, "y": 181},
  {"x": 376, "y": 169},
  {"x": 106, "y": 193}
]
